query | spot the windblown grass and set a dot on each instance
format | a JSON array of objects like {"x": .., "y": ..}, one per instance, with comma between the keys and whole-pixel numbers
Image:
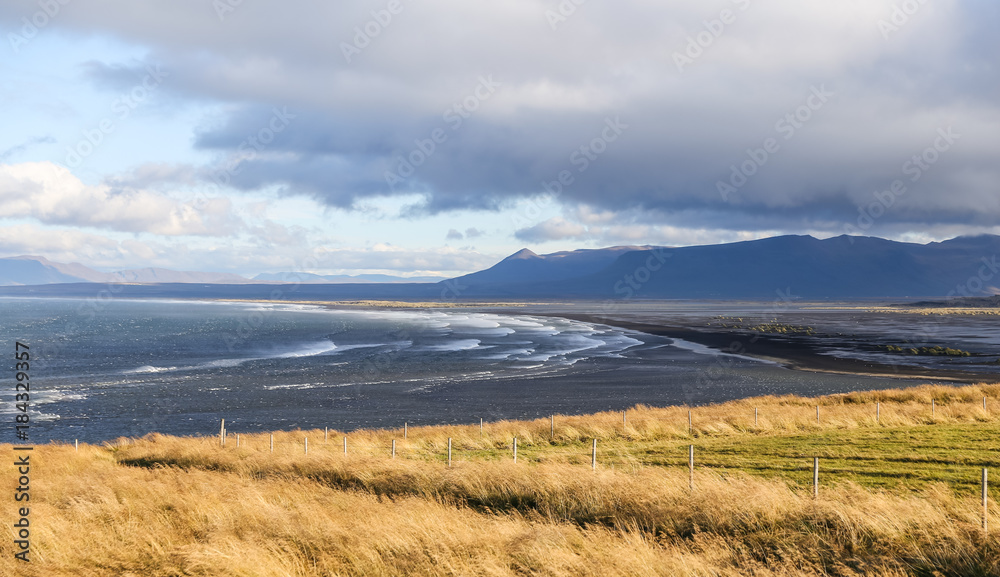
[{"x": 186, "y": 506}]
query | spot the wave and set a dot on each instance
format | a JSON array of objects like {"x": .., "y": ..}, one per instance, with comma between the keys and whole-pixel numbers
[
  {"x": 310, "y": 350},
  {"x": 456, "y": 345},
  {"x": 146, "y": 369},
  {"x": 700, "y": 349}
]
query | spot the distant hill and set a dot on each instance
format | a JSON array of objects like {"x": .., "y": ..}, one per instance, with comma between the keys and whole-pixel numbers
[
  {"x": 36, "y": 270},
  {"x": 990, "y": 302},
  {"x": 843, "y": 267},
  {"x": 305, "y": 277},
  {"x": 803, "y": 266},
  {"x": 525, "y": 266}
]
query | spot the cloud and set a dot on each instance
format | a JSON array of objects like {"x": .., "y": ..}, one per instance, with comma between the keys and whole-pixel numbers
[
  {"x": 473, "y": 233},
  {"x": 454, "y": 235},
  {"x": 18, "y": 149},
  {"x": 558, "y": 90},
  {"x": 555, "y": 228},
  {"x": 51, "y": 194}
]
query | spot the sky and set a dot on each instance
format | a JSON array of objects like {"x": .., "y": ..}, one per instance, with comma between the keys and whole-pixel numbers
[{"x": 436, "y": 137}]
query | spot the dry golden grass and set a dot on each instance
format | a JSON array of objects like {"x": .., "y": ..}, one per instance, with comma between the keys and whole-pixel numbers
[{"x": 186, "y": 506}]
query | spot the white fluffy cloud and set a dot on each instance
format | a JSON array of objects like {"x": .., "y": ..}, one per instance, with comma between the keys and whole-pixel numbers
[{"x": 51, "y": 194}]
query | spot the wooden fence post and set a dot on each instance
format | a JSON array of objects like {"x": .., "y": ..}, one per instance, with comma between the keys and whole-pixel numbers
[
  {"x": 593, "y": 456},
  {"x": 449, "y": 451},
  {"x": 326, "y": 434},
  {"x": 817, "y": 414},
  {"x": 76, "y": 443},
  {"x": 345, "y": 445},
  {"x": 932, "y": 408},
  {"x": 985, "y": 493},
  {"x": 306, "y": 445},
  {"x": 691, "y": 467},
  {"x": 515, "y": 449},
  {"x": 552, "y": 427},
  {"x": 394, "y": 448},
  {"x": 405, "y": 431},
  {"x": 755, "y": 416},
  {"x": 222, "y": 434},
  {"x": 815, "y": 477}
]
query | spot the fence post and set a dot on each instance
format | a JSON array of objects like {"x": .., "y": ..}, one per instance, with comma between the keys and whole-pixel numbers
[
  {"x": 306, "y": 445},
  {"x": 326, "y": 434},
  {"x": 691, "y": 467},
  {"x": 817, "y": 414},
  {"x": 237, "y": 440},
  {"x": 932, "y": 408},
  {"x": 405, "y": 431},
  {"x": 449, "y": 451},
  {"x": 480, "y": 427},
  {"x": 624, "y": 423},
  {"x": 985, "y": 510},
  {"x": 394, "y": 448},
  {"x": 345, "y": 445},
  {"x": 755, "y": 416},
  {"x": 515, "y": 449},
  {"x": 815, "y": 477},
  {"x": 552, "y": 427},
  {"x": 76, "y": 443},
  {"x": 222, "y": 434},
  {"x": 593, "y": 456}
]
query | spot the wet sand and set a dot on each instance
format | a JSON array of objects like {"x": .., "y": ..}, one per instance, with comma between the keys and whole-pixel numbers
[{"x": 790, "y": 351}]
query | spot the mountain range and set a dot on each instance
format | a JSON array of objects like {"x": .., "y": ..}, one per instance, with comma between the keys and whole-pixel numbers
[
  {"x": 37, "y": 270},
  {"x": 784, "y": 266}
]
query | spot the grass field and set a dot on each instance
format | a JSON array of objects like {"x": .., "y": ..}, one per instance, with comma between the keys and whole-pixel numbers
[{"x": 899, "y": 495}]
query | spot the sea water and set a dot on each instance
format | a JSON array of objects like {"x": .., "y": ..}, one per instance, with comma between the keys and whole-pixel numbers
[{"x": 104, "y": 369}]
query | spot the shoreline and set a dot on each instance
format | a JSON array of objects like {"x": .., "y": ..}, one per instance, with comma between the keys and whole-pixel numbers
[{"x": 790, "y": 352}]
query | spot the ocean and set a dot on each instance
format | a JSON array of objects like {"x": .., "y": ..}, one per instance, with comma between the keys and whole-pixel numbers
[{"x": 106, "y": 369}]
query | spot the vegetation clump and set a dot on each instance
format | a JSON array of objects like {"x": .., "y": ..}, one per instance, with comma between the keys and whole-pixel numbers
[{"x": 935, "y": 351}]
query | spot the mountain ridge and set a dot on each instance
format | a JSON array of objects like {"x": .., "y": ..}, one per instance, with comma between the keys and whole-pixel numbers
[{"x": 796, "y": 266}]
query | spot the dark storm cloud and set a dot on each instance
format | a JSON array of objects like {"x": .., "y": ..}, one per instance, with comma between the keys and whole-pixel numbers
[{"x": 795, "y": 115}]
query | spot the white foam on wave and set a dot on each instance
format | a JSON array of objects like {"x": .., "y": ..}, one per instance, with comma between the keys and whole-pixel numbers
[
  {"x": 147, "y": 369},
  {"x": 310, "y": 350},
  {"x": 456, "y": 345},
  {"x": 701, "y": 349},
  {"x": 222, "y": 363}
]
